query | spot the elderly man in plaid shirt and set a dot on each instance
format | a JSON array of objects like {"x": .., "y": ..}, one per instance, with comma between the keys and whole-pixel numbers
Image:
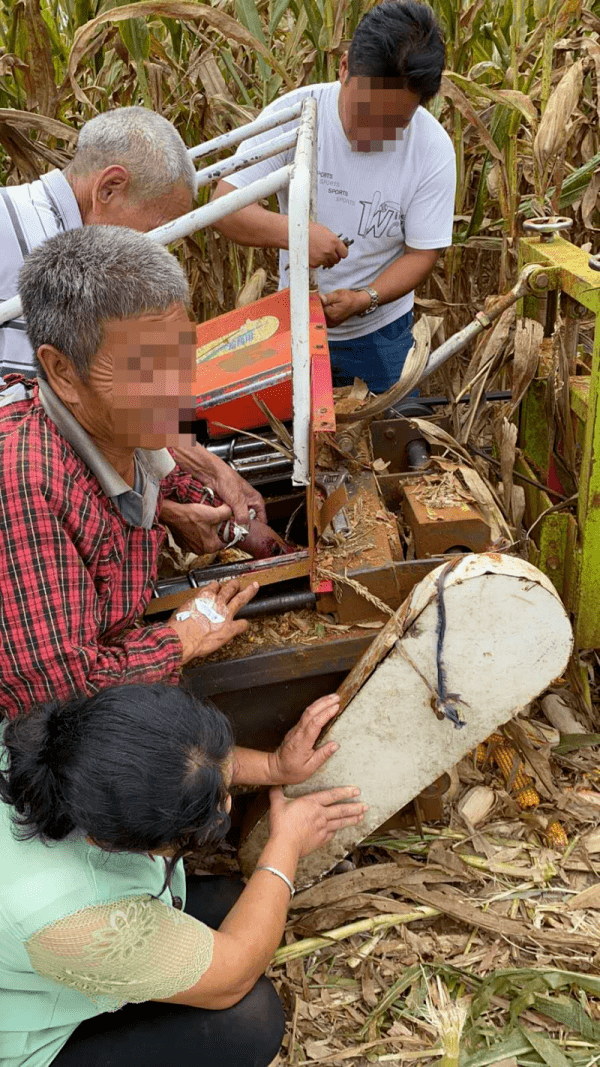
[{"x": 84, "y": 470}]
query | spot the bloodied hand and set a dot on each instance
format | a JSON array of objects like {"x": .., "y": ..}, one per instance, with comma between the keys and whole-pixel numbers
[{"x": 207, "y": 620}]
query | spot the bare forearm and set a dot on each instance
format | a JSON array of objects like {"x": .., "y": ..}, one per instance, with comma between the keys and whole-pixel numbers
[
  {"x": 198, "y": 460},
  {"x": 253, "y": 225},
  {"x": 257, "y": 920},
  {"x": 251, "y": 767},
  {"x": 404, "y": 274},
  {"x": 401, "y": 277}
]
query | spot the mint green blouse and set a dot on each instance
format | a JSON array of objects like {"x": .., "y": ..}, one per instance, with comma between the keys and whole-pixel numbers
[{"x": 80, "y": 934}]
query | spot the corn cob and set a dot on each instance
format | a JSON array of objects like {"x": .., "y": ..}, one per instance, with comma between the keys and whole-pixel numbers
[
  {"x": 522, "y": 785},
  {"x": 556, "y": 836},
  {"x": 480, "y": 755}
]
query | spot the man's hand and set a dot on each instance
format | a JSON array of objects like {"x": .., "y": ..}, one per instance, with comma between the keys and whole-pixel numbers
[
  {"x": 239, "y": 494},
  {"x": 342, "y": 304},
  {"x": 325, "y": 249},
  {"x": 227, "y": 483},
  {"x": 206, "y": 621},
  {"x": 195, "y": 525},
  {"x": 296, "y": 758}
]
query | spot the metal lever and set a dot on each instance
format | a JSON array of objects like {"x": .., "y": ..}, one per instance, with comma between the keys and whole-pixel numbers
[{"x": 330, "y": 481}]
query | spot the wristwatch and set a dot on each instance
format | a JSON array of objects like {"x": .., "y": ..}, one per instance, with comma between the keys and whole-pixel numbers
[{"x": 374, "y": 299}]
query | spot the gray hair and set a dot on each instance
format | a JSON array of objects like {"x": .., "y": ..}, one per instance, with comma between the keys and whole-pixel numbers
[
  {"x": 75, "y": 282},
  {"x": 144, "y": 142}
]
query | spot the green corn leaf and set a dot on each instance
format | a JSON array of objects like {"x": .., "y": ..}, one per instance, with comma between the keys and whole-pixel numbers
[
  {"x": 508, "y": 97},
  {"x": 571, "y": 742},
  {"x": 315, "y": 21},
  {"x": 248, "y": 15},
  {"x": 569, "y": 1013},
  {"x": 480, "y": 197},
  {"x": 514, "y": 1045},
  {"x": 279, "y": 9},
  {"x": 548, "y": 1051},
  {"x": 176, "y": 33}
]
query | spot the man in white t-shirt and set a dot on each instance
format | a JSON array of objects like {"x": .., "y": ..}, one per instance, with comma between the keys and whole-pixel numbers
[{"x": 386, "y": 181}]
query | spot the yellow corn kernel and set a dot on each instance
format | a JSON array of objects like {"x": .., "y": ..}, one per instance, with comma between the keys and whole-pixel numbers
[
  {"x": 556, "y": 835},
  {"x": 480, "y": 755},
  {"x": 522, "y": 785}
]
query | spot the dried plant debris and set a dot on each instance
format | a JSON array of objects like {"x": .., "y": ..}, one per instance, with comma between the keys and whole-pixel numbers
[
  {"x": 437, "y": 492},
  {"x": 468, "y": 945},
  {"x": 175, "y": 561},
  {"x": 280, "y": 631}
]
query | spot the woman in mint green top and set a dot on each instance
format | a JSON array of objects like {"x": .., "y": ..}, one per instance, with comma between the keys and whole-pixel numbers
[{"x": 102, "y": 798}]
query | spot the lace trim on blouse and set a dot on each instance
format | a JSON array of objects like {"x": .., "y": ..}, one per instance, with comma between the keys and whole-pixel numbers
[{"x": 124, "y": 951}]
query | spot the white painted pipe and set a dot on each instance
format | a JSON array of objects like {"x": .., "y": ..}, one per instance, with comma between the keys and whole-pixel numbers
[
  {"x": 225, "y": 205},
  {"x": 246, "y": 159},
  {"x": 233, "y": 137},
  {"x": 193, "y": 221},
  {"x": 298, "y": 223},
  {"x": 10, "y": 309}
]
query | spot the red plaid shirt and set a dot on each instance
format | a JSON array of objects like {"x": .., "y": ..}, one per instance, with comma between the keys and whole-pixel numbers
[{"x": 75, "y": 577}]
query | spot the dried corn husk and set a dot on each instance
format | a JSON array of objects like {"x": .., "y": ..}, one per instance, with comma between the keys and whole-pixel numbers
[
  {"x": 560, "y": 715},
  {"x": 493, "y": 180},
  {"x": 477, "y": 804},
  {"x": 555, "y": 127},
  {"x": 529, "y": 334},
  {"x": 590, "y": 796},
  {"x": 591, "y": 841},
  {"x": 253, "y": 289},
  {"x": 541, "y": 734},
  {"x": 518, "y": 502},
  {"x": 508, "y": 453}
]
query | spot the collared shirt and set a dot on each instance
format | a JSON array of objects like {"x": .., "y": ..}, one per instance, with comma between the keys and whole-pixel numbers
[
  {"x": 138, "y": 504},
  {"x": 75, "y": 574},
  {"x": 29, "y": 215}
]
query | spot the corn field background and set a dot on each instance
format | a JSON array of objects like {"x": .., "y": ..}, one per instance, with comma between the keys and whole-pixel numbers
[{"x": 521, "y": 100}]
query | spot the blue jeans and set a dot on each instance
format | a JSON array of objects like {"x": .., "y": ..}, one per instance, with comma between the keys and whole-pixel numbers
[{"x": 377, "y": 358}]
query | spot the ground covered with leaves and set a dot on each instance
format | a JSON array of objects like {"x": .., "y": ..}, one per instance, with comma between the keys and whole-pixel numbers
[{"x": 477, "y": 944}]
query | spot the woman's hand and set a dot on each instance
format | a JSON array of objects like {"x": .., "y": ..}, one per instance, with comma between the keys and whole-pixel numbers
[
  {"x": 297, "y": 758},
  {"x": 207, "y": 621},
  {"x": 310, "y": 822}
]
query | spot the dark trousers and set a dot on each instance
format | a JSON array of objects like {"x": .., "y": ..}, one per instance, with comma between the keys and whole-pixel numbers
[
  {"x": 377, "y": 358},
  {"x": 172, "y": 1035}
]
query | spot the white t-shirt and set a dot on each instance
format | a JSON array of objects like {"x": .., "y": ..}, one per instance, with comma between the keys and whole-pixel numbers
[{"x": 380, "y": 199}]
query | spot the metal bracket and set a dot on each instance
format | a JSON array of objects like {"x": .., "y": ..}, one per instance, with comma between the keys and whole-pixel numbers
[{"x": 540, "y": 279}]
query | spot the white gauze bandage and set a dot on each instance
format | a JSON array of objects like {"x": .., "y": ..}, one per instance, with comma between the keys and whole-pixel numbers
[{"x": 201, "y": 607}]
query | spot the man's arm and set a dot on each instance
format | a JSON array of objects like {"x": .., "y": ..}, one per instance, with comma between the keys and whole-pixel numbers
[
  {"x": 233, "y": 490},
  {"x": 51, "y": 644},
  {"x": 253, "y": 225},
  {"x": 256, "y": 226},
  {"x": 401, "y": 277}
]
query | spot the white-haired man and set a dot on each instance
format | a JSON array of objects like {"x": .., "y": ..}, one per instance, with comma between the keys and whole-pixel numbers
[
  {"x": 84, "y": 469},
  {"x": 131, "y": 168}
]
